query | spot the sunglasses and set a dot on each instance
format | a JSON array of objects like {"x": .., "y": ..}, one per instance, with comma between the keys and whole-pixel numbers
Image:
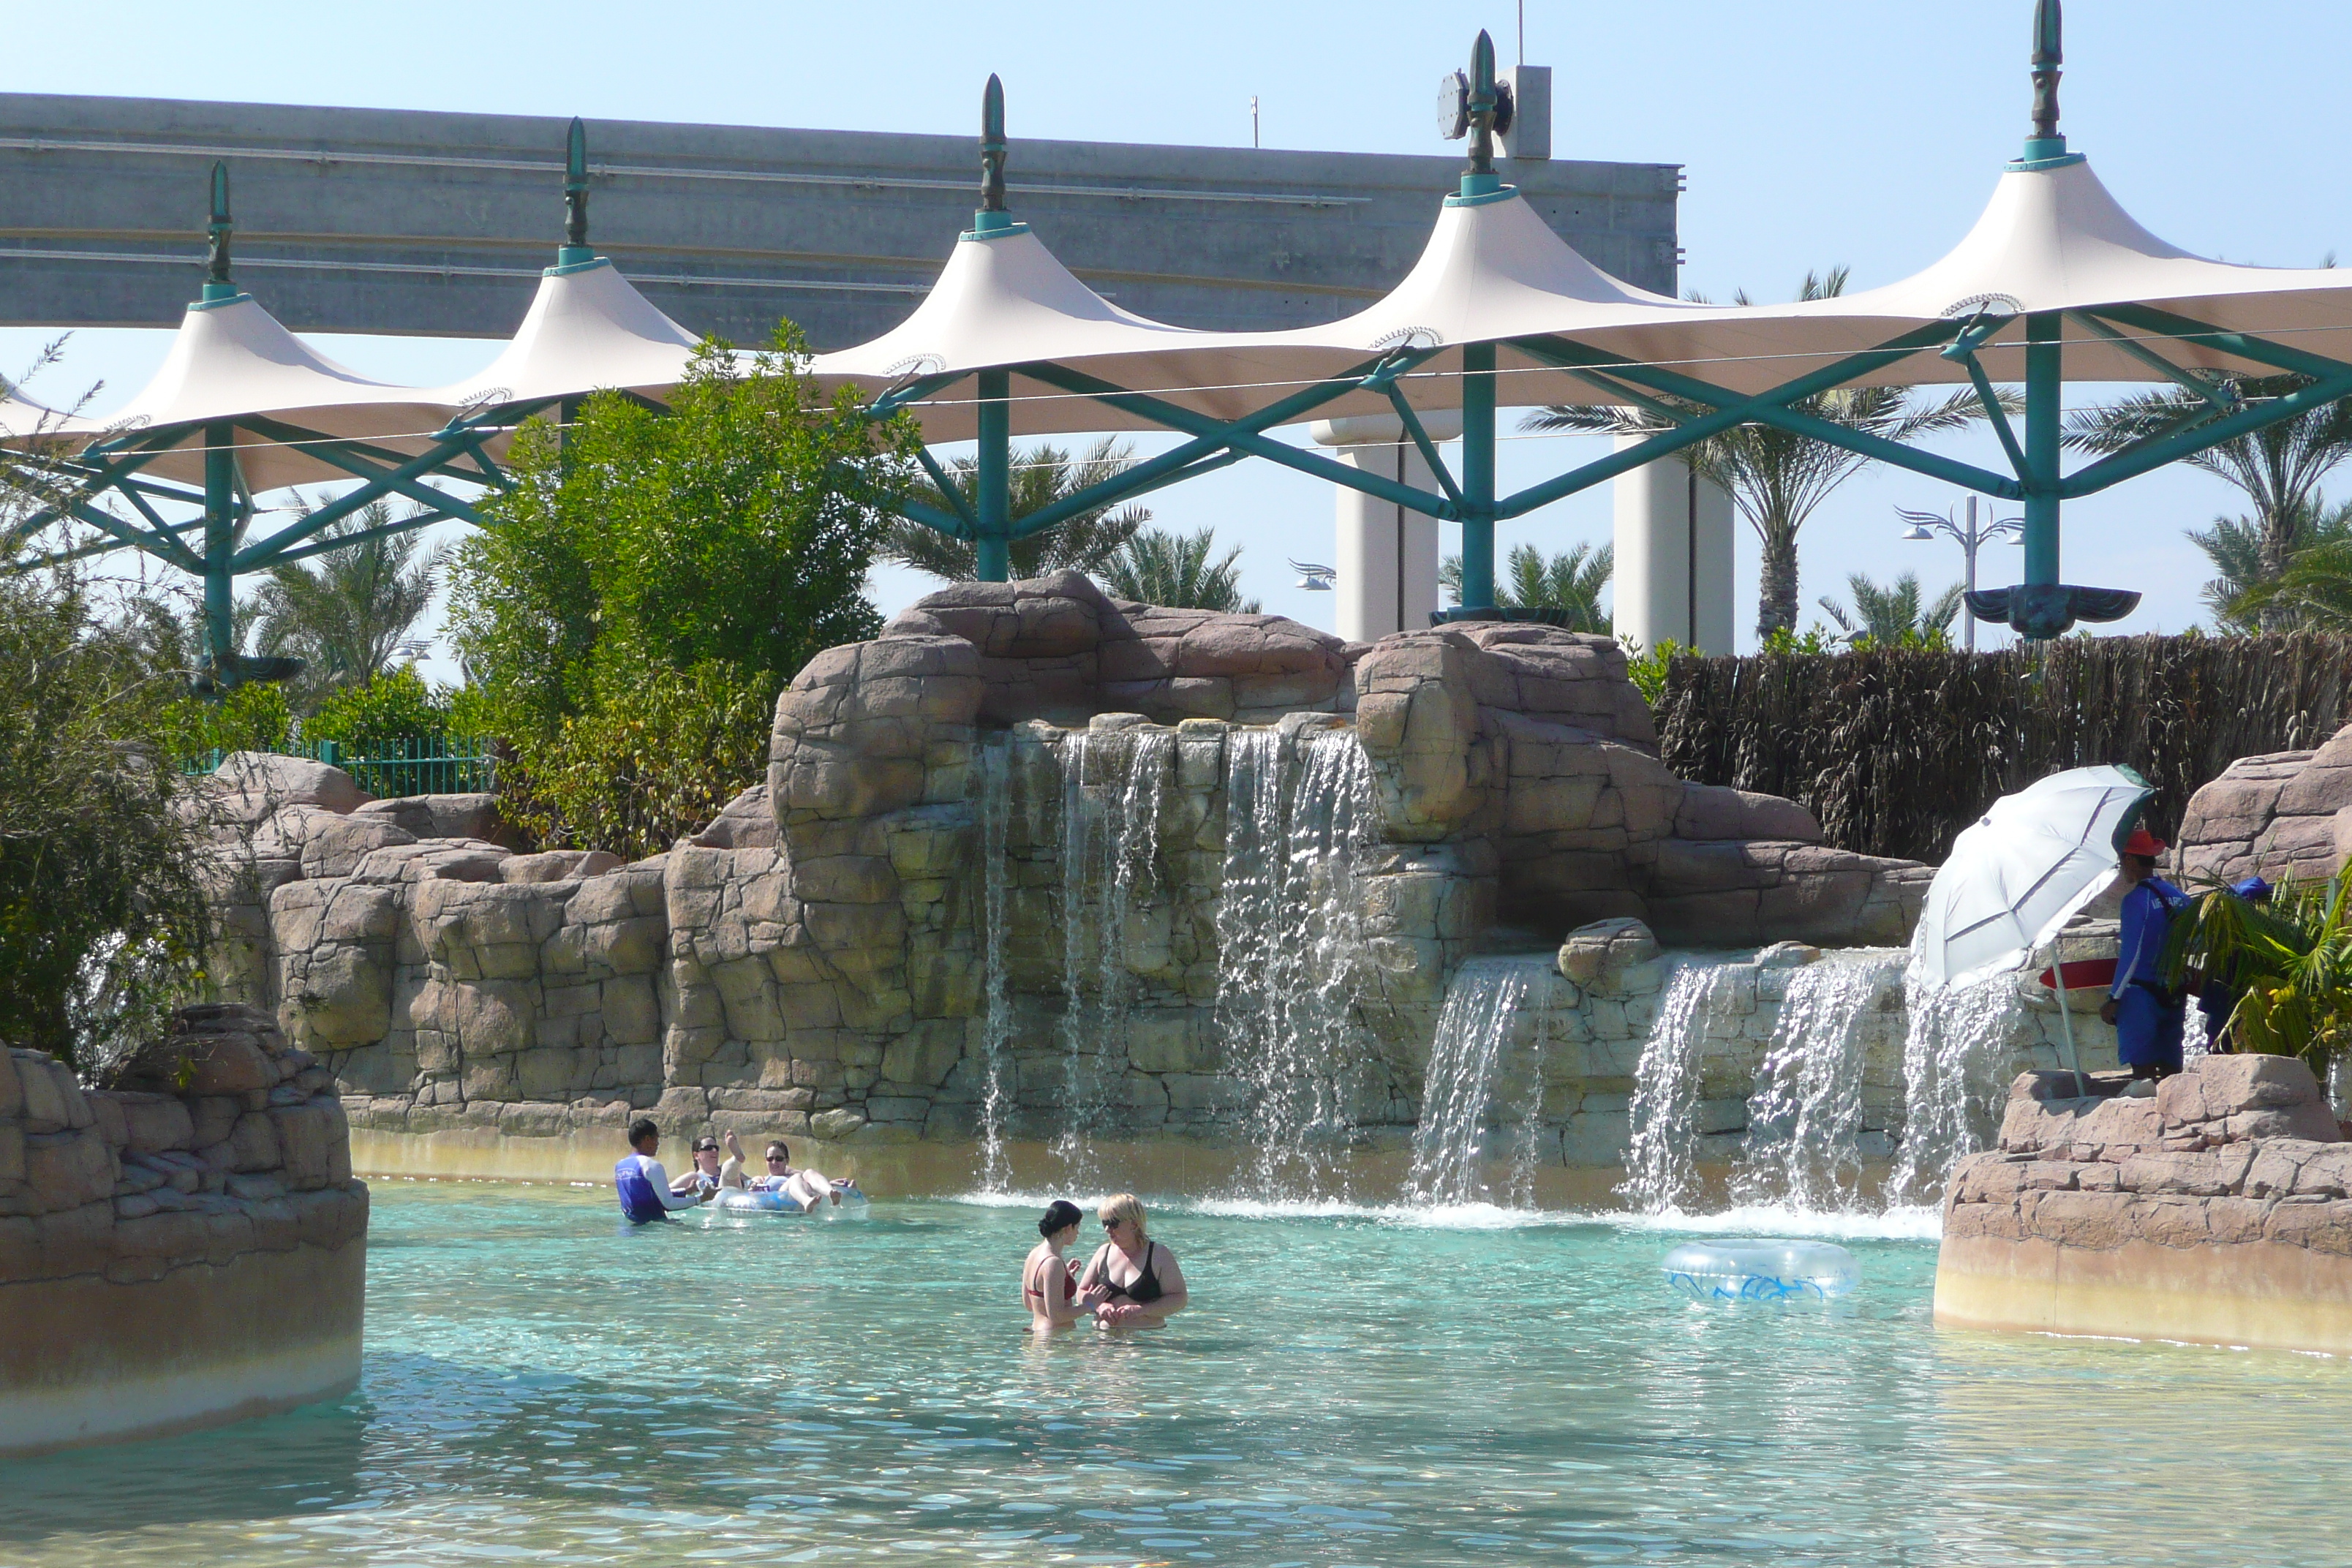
[{"x": 1113, "y": 1224}]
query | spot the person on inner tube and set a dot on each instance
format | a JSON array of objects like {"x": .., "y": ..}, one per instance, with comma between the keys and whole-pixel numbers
[
  {"x": 2147, "y": 1014},
  {"x": 702, "y": 1180},
  {"x": 806, "y": 1187},
  {"x": 643, "y": 1186}
]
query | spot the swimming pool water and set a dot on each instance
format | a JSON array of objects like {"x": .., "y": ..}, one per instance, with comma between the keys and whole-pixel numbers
[{"x": 1349, "y": 1388}]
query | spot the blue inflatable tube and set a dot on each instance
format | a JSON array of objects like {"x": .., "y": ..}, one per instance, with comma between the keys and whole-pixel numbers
[{"x": 1761, "y": 1270}]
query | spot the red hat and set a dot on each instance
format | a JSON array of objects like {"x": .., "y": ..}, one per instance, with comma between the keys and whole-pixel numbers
[{"x": 2143, "y": 842}]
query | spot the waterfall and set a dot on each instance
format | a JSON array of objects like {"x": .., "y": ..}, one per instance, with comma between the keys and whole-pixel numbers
[
  {"x": 1955, "y": 1060},
  {"x": 1804, "y": 1146},
  {"x": 1112, "y": 784},
  {"x": 1660, "y": 1167},
  {"x": 996, "y": 1029},
  {"x": 1466, "y": 1063},
  {"x": 1299, "y": 811}
]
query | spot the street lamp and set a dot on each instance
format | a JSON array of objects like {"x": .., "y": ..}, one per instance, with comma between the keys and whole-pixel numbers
[
  {"x": 1926, "y": 525},
  {"x": 1314, "y": 578}
]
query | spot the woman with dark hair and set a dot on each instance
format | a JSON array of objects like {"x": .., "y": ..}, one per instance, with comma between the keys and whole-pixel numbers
[{"x": 1047, "y": 1287}]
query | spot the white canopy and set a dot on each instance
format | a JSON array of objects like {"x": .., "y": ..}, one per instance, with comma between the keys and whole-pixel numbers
[
  {"x": 587, "y": 330},
  {"x": 232, "y": 360}
]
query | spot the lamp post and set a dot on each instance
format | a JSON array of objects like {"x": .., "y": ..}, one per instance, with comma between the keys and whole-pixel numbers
[{"x": 1926, "y": 525}]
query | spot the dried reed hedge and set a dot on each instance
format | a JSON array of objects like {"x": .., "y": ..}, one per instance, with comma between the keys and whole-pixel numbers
[{"x": 1897, "y": 749}]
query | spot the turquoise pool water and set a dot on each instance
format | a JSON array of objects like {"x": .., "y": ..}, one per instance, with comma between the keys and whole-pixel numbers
[{"x": 1352, "y": 1388}]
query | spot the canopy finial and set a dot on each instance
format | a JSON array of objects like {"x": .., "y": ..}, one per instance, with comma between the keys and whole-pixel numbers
[
  {"x": 2048, "y": 24},
  {"x": 1483, "y": 99},
  {"x": 217, "y": 236},
  {"x": 575, "y": 251},
  {"x": 992, "y": 146}
]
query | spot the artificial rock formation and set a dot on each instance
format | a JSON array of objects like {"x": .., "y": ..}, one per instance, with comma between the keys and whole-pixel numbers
[
  {"x": 1007, "y": 853},
  {"x": 2276, "y": 816},
  {"x": 184, "y": 1249},
  {"x": 2218, "y": 1210}
]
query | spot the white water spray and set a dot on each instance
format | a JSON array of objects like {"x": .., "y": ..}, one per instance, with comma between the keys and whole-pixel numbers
[
  {"x": 1466, "y": 1061},
  {"x": 1804, "y": 1145}
]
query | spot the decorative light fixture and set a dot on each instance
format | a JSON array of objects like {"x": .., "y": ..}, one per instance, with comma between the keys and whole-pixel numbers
[{"x": 1313, "y": 577}]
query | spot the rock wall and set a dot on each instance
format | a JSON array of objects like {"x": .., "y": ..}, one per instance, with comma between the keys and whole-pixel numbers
[
  {"x": 823, "y": 960},
  {"x": 187, "y": 1249},
  {"x": 2286, "y": 815},
  {"x": 2218, "y": 1210}
]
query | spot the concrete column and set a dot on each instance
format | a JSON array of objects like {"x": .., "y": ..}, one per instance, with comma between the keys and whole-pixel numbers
[
  {"x": 1674, "y": 556},
  {"x": 1386, "y": 554}
]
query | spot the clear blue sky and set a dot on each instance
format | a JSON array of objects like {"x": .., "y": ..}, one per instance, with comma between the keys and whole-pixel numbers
[{"x": 1854, "y": 132}]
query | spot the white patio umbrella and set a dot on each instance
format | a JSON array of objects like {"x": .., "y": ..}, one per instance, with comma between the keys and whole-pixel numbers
[{"x": 2016, "y": 875}]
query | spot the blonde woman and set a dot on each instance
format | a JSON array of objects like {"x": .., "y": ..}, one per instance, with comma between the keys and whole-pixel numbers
[{"x": 1131, "y": 1281}]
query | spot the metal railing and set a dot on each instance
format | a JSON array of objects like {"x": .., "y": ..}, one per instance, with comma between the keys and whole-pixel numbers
[{"x": 410, "y": 765}]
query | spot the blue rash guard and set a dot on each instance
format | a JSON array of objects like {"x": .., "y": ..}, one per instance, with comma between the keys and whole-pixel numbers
[
  {"x": 644, "y": 1189},
  {"x": 2148, "y": 1020}
]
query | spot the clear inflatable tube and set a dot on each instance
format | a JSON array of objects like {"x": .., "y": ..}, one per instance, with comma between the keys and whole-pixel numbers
[
  {"x": 1761, "y": 1270},
  {"x": 736, "y": 1200}
]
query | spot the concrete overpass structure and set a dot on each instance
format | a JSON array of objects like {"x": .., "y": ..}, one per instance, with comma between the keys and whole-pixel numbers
[{"x": 357, "y": 220}]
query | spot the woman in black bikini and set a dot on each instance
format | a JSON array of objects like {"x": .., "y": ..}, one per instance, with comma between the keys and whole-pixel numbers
[
  {"x": 1132, "y": 1281},
  {"x": 1046, "y": 1287}
]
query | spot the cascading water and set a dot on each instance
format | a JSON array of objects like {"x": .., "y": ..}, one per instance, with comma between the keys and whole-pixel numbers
[
  {"x": 1112, "y": 784},
  {"x": 1804, "y": 1145},
  {"x": 1955, "y": 1058},
  {"x": 1299, "y": 811},
  {"x": 1660, "y": 1165},
  {"x": 996, "y": 1026},
  {"x": 1466, "y": 1062}
]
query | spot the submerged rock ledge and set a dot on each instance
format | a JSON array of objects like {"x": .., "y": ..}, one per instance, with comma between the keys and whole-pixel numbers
[{"x": 2217, "y": 1211}]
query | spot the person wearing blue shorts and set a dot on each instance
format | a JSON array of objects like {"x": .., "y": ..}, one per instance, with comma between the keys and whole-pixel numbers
[{"x": 2146, "y": 1013}]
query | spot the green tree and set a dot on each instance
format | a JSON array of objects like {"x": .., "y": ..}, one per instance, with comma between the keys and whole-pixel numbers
[
  {"x": 348, "y": 613},
  {"x": 2280, "y": 468},
  {"x": 652, "y": 560},
  {"x": 104, "y": 920},
  {"x": 1572, "y": 582},
  {"x": 1896, "y": 615},
  {"x": 1159, "y": 566},
  {"x": 2289, "y": 959},
  {"x": 2244, "y": 594},
  {"x": 1042, "y": 476},
  {"x": 1777, "y": 480}
]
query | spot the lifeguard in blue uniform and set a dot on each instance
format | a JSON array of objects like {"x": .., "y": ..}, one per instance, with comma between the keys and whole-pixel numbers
[{"x": 2146, "y": 1013}]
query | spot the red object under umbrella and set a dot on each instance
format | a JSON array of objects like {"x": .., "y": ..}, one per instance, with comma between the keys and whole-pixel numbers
[{"x": 2082, "y": 975}]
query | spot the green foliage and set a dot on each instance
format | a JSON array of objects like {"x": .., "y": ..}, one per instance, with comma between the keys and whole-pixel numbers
[
  {"x": 1777, "y": 480},
  {"x": 347, "y": 614},
  {"x": 1647, "y": 667},
  {"x": 2280, "y": 468},
  {"x": 1160, "y": 567},
  {"x": 1570, "y": 582},
  {"x": 1041, "y": 476},
  {"x": 1813, "y": 642},
  {"x": 703, "y": 555},
  {"x": 2290, "y": 960},
  {"x": 1895, "y": 616},
  {"x": 249, "y": 718},
  {"x": 654, "y": 756},
  {"x": 104, "y": 917},
  {"x": 391, "y": 707}
]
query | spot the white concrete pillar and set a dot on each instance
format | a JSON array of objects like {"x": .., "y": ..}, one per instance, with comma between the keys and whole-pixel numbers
[
  {"x": 1386, "y": 554},
  {"x": 1674, "y": 556}
]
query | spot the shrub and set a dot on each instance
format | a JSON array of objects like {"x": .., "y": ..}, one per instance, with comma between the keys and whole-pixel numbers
[
  {"x": 104, "y": 917},
  {"x": 391, "y": 707}
]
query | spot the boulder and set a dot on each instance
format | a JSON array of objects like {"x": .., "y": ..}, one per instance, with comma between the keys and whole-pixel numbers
[
  {"x": 249, "y": 786},
  {"x": 1596, "y": 957}
]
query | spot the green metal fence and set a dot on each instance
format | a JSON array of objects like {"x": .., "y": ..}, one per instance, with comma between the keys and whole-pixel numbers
[{"x": 411, "y": 765}]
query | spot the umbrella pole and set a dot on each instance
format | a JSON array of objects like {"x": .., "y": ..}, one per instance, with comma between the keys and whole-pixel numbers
[{"x": 2066, "y": 1022}]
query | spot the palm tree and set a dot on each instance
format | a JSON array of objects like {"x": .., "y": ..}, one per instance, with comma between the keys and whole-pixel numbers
[
  {"x": 348, "y": 613},
  {"x": 1572, "y": 582},
  {"x": 1158, "y": 566},
  {"x": 1777, "y": 479},
  {"x": 2279, "y": 467},
  {"x": 2244, "y": 597},
  {"x": 1895, "y": 615},
  {"x": 1041, "y": 476}
]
